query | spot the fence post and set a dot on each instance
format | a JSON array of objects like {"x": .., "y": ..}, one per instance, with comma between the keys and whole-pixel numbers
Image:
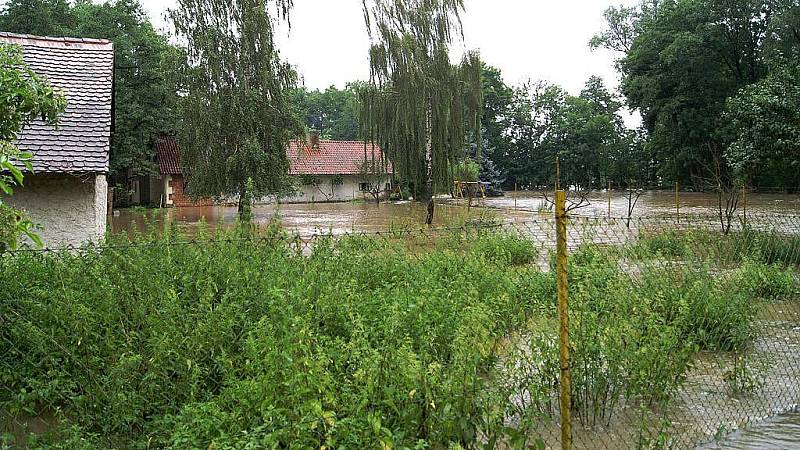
[
  {"x": 677, "y": 202},
  {"x": 565, "y": 380},
  {"x": 609, "y": 199},
  {"x": 515, "y": 196}
]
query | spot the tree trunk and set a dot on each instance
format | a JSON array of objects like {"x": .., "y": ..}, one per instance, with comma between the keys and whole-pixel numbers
[{"x": 430, "y": 193}]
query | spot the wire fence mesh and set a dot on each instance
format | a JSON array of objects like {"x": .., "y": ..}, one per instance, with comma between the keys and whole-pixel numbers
[{"x": 680, "y": 334}]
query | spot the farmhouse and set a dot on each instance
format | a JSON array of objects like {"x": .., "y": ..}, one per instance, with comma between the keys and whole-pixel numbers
[
  {"x": 331, "y": 171},
  {"x": 67, "y": 192}
]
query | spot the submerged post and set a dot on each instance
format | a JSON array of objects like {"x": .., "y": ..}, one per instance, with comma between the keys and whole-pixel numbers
[{"x": 565, "y": 380}]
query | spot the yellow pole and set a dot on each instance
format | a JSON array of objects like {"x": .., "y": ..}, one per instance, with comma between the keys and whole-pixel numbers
[
  {"x": 609, "y": 199},
  {"x": 677, "y": 201},
  {"x": 563, "y": 316},
  {"x": 515, "y": 196}
]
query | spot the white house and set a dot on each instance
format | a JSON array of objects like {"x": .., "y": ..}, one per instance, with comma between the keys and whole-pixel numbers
[
  {"x": 335, "y": 171},
  {"x": 67, "y": 194}
]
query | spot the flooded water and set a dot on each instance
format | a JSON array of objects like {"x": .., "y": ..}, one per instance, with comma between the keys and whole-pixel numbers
[
  {"x": 779, "y": 433},
  {"x": 307, "y": 218},
  {"x": 344, "y": 217},
  {"x": 652, "y": 203}
]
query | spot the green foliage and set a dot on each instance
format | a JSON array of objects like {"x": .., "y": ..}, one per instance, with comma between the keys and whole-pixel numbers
[
  {"x": 707, "y": 77},
  {"x": 418, "y": 106},
  {"x": 765, "y": 120},
  {"x": 585, "y": 132},
  {"x": 466, "y": 170},
  {"x": 24, "y": 98},
  {"x": 333, "y": 112},
  {"x": 237, "y": 114},
  {"x": 182, "y": 346}
]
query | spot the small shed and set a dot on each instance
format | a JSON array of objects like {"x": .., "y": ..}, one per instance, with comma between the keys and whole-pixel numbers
[
  {"x": 173, "y": 183},
  {"x": 67, "y": 193}
]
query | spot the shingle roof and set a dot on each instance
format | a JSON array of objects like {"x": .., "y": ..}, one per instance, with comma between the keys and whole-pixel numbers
[
  {"x": 83, "y": 70},
  {"x": 331, "y": 158},
  {"x": 169, "y": 161}
]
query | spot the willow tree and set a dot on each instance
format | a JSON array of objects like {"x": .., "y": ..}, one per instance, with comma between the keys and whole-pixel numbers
[
  {"x": 419, "y": 106},
  {"x": 237, "y": 116}
]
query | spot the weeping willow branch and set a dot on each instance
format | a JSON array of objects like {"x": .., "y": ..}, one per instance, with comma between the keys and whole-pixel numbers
[
  {"x": 237, "y": 115},
  {"x": 418, "y": 106}
]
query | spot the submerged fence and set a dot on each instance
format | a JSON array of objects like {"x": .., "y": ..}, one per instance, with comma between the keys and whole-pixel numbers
[{"x": 677, "y": 333}]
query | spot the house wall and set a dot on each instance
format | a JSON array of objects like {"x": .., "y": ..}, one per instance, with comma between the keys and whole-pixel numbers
[
  {"x": 70, "y": 208},
  {"x": 325, "y": 191},
  {"x": 173, "y": 186}
]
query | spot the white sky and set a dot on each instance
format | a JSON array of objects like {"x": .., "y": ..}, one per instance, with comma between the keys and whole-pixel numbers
[{"x": 526, "y": 39}]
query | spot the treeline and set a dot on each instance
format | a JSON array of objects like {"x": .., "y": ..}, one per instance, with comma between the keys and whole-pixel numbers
[
  {"x": 526, "y": 128},
  {"x": 716, "y": 82},
  {"x": 718, "y": 86}
]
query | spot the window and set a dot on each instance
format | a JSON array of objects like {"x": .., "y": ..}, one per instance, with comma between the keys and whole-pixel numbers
[{"x": 364, "y": 187}]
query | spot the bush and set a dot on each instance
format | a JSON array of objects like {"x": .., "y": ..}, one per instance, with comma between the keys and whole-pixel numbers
[{"x": 250, "y": 343}]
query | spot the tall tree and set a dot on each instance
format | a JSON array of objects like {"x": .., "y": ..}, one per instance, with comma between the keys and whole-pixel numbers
[
  {"x": 419, "y": 106},
  {"x": 238, "y": 118},
  {"x": 682, "y": 61}
]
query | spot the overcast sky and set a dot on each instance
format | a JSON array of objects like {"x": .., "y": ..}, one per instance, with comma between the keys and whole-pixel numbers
[{"x": 526, "y": 39}]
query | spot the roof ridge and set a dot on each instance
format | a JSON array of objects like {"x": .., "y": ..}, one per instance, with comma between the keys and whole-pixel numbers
[{"x": 64, "y": 40}]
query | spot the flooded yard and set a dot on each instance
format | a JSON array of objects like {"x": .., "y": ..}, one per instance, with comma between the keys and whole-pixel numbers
[{"x": 337, "y": 218}]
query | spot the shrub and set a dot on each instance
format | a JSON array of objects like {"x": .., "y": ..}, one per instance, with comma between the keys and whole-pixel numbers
[{"x": 247, "y": 342}]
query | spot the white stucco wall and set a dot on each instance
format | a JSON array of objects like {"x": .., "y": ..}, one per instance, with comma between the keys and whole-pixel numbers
[
  {"x": 325, "y": 191},
  {"x": 70, "y": 208}
]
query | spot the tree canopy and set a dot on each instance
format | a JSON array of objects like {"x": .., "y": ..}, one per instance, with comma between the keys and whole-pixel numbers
[
  {"x": 419, "y": 106},
  {"x": 237, "y": 116},
  {"x": 693, "y": 68}
]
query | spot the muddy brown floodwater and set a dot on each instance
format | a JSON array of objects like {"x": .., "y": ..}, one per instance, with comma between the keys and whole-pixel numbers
[
  {"x": 310, "y": 218},
  {"x": 780, "y": 433},
  {"x": 338, "y": 218}
]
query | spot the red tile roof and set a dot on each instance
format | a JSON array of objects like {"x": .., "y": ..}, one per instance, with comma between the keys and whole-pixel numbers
[
  {"x": 169, "y": 161},
  {"x": 331, "y": 158}
]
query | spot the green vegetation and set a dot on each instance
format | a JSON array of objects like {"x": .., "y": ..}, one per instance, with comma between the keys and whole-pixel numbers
[
  {"x": 24, "y": 98},
  {"x": 403, "y": 340},
  {"x": 237, "y": 114},
  {"x": 715, "y": 82},
  {"x": 180, "y": 346}
]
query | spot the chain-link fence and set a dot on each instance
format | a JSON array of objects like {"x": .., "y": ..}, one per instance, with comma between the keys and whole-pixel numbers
[{"x": 682, "y": 329}]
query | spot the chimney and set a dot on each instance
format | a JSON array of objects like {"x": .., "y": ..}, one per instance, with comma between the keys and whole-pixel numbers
[{"x": 313, "y": 139}]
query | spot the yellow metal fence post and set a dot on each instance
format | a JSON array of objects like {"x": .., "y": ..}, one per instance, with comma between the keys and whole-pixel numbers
[
  {"x": 515, "y": 196},
  {"x": 565, "y": 380}
]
